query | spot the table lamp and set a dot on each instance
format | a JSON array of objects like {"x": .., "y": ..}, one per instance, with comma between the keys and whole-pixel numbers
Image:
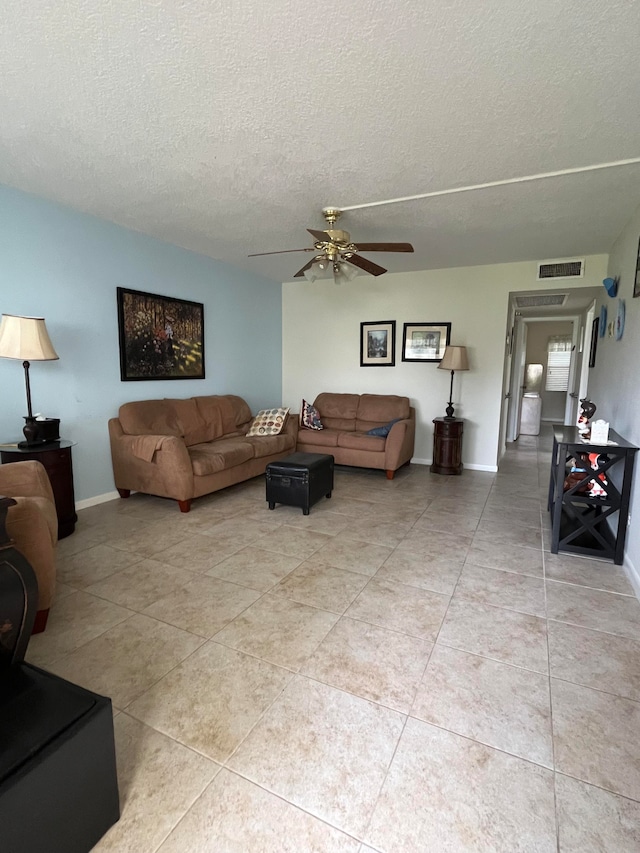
[
  {"x": 454, "y": 358},
  {"x": 27, "y": 339}
]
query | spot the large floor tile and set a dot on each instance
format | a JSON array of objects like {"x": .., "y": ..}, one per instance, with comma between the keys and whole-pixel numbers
[
  {"x": 292, "y": 542},
  {"x": 438, "y": 574},
  {"x": 502, "y": 589},
  {"x": 141, "y": 584},
  {"x": 511, "y": 558},
  {"x": 203, "y": 606},
  {"x": 319, "y": 585},
  {"x": 352, "y": 555},
  {"x": 158, "y": 780},
  {"x": 401, "y": 608},
  {"x": 595, "y": 659},
  {"x": 591, "y": 820},
  {"x": 497, "y": 704},
  {"x": 596, "y": 737},
  {"x": 444, "y": 792},
  {"x": 197, "y": 553},
  {"x": 331, "y": 523},
  {"x": 377, "y": 531},
  {"x": 585, "y": 572},
  {"x": 211, "y": 701},
  {"x": 371, "y": 662},
  {"x": 500, "y": 533},
  {"x": 323, "y": 750},
  {"x": 236, "y": 816},
  {"x": 591, "y": 608},
  {"x": 94, "y": 564},
  {"x": 128, "y": 658},
  {"x": 255, "y": 568},
  {"x": 492, "y": 632},
  {"x": 278, "y": 630},
  {"x": 447, "y": 522},
  {"x": 149, "y": 539},
  {"x": 431, "y": 542},
  {"x": 74, "y": 620}
]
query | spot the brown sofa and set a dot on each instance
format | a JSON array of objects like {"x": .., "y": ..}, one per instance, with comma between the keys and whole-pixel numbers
[
  {"x": 347, "y": 418},
  {"x": 183, "y": 449},
  {"x": 33, "y": 525}
]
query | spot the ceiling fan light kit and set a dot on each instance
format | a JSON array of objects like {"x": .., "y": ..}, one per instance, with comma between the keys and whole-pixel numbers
[{"x": 337, "y": 254}]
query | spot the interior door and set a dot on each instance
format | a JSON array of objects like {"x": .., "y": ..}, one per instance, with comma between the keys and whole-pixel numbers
[
  {"x": 571, "y": 404},
  {"x": 517, "y": 377}
]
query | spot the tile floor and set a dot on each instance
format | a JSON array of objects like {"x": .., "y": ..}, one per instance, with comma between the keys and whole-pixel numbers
[{"x": 405, "y": 670}]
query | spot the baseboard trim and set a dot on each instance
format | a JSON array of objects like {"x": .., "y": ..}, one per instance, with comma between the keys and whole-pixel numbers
[
  {"x": 634, "y": 576},
  {"x": 98, "y": 499},
  {"x": 470, "y": 466},
  {"x": 417, "y": 461}
]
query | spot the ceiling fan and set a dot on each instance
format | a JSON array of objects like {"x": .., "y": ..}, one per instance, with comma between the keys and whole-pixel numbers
[{"x": 335, "y": 252}]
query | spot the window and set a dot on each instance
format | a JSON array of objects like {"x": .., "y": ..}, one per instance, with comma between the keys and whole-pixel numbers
[{"x": 558, "y": 362}]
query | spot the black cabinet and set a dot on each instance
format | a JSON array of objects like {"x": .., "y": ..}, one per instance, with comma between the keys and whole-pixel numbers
[{"x": 581, "y": 523}]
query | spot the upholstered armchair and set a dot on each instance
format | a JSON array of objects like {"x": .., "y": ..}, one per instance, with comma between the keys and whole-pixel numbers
[{"x": 33, "y": 525}]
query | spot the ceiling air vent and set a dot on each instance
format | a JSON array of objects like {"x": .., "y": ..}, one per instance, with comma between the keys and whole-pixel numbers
[
  {"x": 540, "y": 300},
  {"x": 573, "y": 268}
]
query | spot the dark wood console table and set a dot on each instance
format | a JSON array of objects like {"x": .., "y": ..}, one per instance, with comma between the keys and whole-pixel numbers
[
  {"x": 447, "y": 446},
  {"x": 579, "y": 521},
  {"x": 56, "y": 458}
]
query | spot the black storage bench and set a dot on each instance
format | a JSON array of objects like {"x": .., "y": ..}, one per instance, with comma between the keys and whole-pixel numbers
[{"x": 300, "y": 480}]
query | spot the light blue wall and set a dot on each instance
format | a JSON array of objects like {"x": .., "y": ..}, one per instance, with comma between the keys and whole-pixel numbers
[{"x": 65, "y": 266}]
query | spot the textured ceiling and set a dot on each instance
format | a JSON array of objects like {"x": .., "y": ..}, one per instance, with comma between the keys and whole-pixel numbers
[{"x": 226, "y": 127}]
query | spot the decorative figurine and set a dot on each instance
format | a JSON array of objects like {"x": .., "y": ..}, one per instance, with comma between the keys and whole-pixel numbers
[{"x": 587, "y": 411}]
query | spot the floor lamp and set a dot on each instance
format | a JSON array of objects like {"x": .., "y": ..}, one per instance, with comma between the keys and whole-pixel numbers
[
  {"x": 454, "y": 358},
  {"x": 27, "y": 339}
]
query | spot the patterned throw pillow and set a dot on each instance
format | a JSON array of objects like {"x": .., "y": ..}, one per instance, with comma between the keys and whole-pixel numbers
[
  {"x": 310, "y": 416},
  {"x": 269, "y": 422},
  {"x": 383, "y": 430}
]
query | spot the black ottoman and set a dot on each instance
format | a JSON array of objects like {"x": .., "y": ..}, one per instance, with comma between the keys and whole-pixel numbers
[{"x": 300, "y": 480}]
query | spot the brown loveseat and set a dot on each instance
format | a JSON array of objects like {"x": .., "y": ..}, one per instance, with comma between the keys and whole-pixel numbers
[
  {"x": 347, "y": 418},
  {"x": 183, "y": 449},
  {"x": 33, "y": 525}
]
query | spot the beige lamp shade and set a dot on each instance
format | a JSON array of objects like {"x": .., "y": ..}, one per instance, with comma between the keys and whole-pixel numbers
[
  {"x": 25, "y": 338},
  {"x": 454, "y": 358}
]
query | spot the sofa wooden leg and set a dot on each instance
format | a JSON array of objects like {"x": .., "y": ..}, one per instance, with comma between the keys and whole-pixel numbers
[
  {"x": 124, "y": 493},
  {"x": 390, "y": 475},
  {"x": 41, "y": 621},
  {"x": 185, "y": 506}
]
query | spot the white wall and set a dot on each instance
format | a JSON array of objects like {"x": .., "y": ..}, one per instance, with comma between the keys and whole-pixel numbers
[
  {"x": 614, "y": 382},
  {"x": 321, "y": 342}
]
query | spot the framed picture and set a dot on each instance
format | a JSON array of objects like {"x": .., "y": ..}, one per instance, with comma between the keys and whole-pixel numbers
[
  {"x": 425, "y": 341},
  {"x": 378, "y": 344},
  {"x": 636, "y": 281},
  {"x": 160, "y": 337},
  {"x": 595, "y": 326}
]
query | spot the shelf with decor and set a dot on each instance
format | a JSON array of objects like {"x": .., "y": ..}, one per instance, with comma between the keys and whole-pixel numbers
[{"x": 587, "y": 520}]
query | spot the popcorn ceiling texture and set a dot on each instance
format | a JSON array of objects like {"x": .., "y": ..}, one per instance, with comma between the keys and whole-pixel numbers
[{"x": 225, "y": 127}]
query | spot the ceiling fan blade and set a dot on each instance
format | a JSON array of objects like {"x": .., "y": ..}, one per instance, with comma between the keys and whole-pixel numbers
[
  {"x": 281, "y": 252},
  {"x": 364, "y": 264},
  {"x": 385, "y": 247},
  {"x": 302, "y": 271},
  {"x": 319, "y": 235}
]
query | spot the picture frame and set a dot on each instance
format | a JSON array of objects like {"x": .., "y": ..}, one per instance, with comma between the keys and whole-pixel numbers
[
  {"x": 425, "y": 341},
  {"x": 595, "y": 331},
  {"x": 378, "y": 344},
  {"x": 636, "y": 280},
  {"x": 160, "y": 337}
]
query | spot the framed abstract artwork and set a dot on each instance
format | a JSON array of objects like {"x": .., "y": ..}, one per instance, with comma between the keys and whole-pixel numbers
[{"x": 160, "y": 337}]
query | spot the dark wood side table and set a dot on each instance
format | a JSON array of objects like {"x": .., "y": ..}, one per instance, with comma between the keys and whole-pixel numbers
[
  {"x": 447, "y": 446},
  {"x": 56, "y": 458}
]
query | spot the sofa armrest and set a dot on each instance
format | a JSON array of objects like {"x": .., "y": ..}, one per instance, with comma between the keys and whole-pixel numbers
[
  {"x": 26, "y": 479},
  {"x": 292, "y": 425},
  {"x": 400, "y": 443},
  {"x": 154, "y": 464}
]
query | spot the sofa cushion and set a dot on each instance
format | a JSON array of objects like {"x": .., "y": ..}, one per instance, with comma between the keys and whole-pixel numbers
[
  {"x": 223, "y": 414},
  {"x": 214, "y": 456},
  {"x": 379, "y": 409},
  {"x": 193, "y": 427},
  {"x": 264, "y": 445},
  {"x": 338, "y": 411},
  {"x": 361, "y": 441},
  {"x": 268, "y": 422},
  {"x": 319, "y": 437},
  {"x": 149, "y": 417}
]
